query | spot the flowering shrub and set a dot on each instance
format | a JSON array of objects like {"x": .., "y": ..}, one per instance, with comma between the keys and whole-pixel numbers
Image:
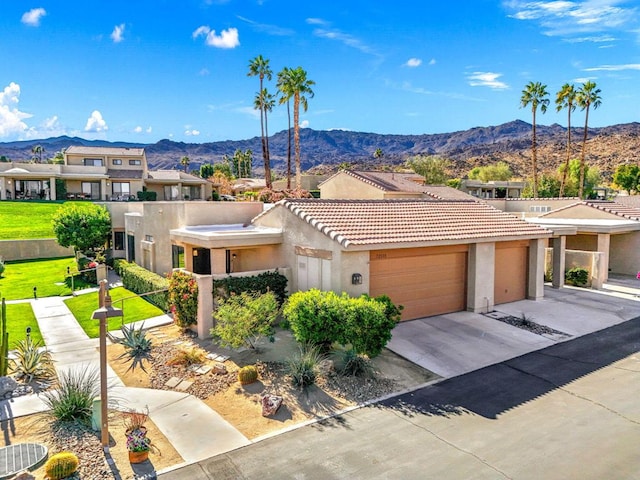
[
  {"x": 137, "y": 440},
  {"x": 638, "y": 276},
  {"x": 183, "y": 298}
]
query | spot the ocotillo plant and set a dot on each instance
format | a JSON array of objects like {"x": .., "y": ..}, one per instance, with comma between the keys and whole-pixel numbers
[{"x": 4, "y": 342}]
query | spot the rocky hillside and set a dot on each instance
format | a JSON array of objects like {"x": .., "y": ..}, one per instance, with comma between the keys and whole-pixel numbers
[{"x": 323, "y": 151}]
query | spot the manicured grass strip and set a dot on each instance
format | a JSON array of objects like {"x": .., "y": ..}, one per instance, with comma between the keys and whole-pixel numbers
[
  {"x": 19, "y": 317},
  {"x": 27, "y": 219},
  {"x": 49, "y": 276},
  {"x": 135, "y": 309}
]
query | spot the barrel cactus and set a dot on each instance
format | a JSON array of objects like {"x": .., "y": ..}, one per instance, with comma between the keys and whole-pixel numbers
[
  {"x": 248, "y": 374},
  {"x": 61, "y": 465}
]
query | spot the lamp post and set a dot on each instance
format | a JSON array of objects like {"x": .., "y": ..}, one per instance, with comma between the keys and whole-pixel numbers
[{"x": 102, "y": 314}]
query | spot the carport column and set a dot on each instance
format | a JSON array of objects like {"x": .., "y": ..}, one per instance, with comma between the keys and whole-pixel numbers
[
  {"x": 535, "y": 282},
  {"x": 481, "y": 277},
  {"x": 559, "y": 249},
  {"x": 205, "y": 305},
  {"x": 604, "y": 243},
  {"x": 103, "y": 189},
  {"x": 53, "y": 195},
  {"x": 218, "y": 260}
]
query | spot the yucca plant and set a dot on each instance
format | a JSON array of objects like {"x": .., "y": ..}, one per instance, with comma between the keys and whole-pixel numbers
[
  {"x": 303, "y": 366},
  {"x": 32, "y": 361},
  {"x": 137, "y": 347},
  {"x": 73, "y": 399}
]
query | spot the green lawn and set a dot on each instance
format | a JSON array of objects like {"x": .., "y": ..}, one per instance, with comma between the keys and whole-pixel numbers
[
  {"x": 19, "y": 317},
  {"x": 135, "y": 309},
  {"x": 27, "y": 219},
  {"x": 48, "y": 275}
]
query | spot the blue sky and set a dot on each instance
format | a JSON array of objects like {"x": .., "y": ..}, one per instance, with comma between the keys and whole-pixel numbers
[{"x": 142, "y": 70}]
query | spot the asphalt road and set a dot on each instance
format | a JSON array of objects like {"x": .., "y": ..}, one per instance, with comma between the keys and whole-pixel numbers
[{"x": 570, "y": 411}]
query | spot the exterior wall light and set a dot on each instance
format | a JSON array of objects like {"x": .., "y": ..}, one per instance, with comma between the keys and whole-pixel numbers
[{"x": 356, "y": 279}]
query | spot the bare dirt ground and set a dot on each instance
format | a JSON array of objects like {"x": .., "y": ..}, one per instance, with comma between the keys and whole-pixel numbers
[{"x": 238, "y": 404}]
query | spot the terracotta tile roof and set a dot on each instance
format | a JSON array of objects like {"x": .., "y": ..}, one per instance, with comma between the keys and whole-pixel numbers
[
  {"x": 372, "y": 222},
  {"x": 629, "y": 200},
  {"x": 614, "y": 208},
  {"x": 124, "y": 151}
]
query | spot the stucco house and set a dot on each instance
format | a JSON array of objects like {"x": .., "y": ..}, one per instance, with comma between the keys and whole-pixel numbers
[{"x": 352, "y": 184}]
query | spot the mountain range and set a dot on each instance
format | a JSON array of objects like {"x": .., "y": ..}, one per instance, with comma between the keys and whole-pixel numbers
[{"x": 324, "y": 150}]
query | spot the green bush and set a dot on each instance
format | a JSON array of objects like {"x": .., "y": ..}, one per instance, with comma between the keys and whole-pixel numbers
[
  {"x": 183, "y": 298},
  {"x": 303, "y": 366},
  {"x": 241, "y": 320},
  {"x": 89, "y": 265},
  {"x": 355, "y": 365},
  {"x": 368, "y": 328},
  {"x": 577, "y": 276},
  {"x": 261, "y": 283},
  {"x": 140, "y": 280},
  {"x": 72, "y": 400},
  {"x": 147, "y": 196}
]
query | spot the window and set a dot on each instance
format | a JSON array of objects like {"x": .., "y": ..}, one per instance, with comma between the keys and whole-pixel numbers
[
  {"x": 91, "y": 190},
  {"x": 118, "y": 240},
  {"x": 121, "y": 189},
  {"x": 148, "y": 238},
  {"x": 135, "y": 162},
  {"x": 116, "y": 161},
  {"x": 539, "y": 208},
  {"x": 177, "y": 256},
  {"x": 93, "y": 162}
]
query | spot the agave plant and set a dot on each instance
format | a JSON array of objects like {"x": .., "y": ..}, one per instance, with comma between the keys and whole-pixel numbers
[
  {"x": 137, "y": 347},
  {"x": 32, "y": 361}
]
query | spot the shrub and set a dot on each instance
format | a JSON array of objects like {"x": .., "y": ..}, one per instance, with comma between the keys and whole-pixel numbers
[
  {"x": 303, "y": 366},
  {"x": 146, "y": 196},
  {"x": 89, "y": 265},
  {"x": 261, "y": 283},
  {"x": 73, "y": 399},
  {"x": 367, "y": 327},
  {"x": 61, "y": 465},
  {"x": 188, "y": 356},
  {"x": 183, "y": 298},
  {"x": 137, "y": 347},
  {"x": 32, "y": 361},
  {"x": 577, "y": 276},
  {"x": 241, "y": 320},
  {"x": 2, "y": 267},
  {"x": 355, "y": 365},
  {"x": 140, "y": 280}
]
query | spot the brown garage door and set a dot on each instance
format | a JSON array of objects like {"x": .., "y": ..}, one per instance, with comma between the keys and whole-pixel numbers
[
  {"x": 511, "y": 271},
  {"x": 427, "y": 281}
]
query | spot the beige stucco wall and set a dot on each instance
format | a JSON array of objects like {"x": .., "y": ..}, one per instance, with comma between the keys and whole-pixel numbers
[
  {"x": 344, "y": 186},
  {"x": 583, "y": 211},
  {"x": 525, "y": 204},
  {"x": 624, "y": 254},
  {"x": 30, "y": 249}
]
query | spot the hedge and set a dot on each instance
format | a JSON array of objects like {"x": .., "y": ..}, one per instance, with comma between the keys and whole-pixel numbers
[
  {"x": 262, "y": 283},
  {"x": 140, "y": 280}
]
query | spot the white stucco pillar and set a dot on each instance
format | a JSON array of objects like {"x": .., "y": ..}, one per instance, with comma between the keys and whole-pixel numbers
[
  {"x": 218, "y": 261},
  {"x": 604, "y": 243},
  {"x": 103, "y": 189},
  {"x": 481, "y": 277},
  {"x": 559, "y": 248},
  {"x": 53, "y": 195},
  {"x": 3, "y": 190},
  {"x": 535, "y": 282},
  {"x": 205, "y": 306}
]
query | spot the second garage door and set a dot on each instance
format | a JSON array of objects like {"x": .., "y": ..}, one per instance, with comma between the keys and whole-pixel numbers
[
  {"x": 510, "y": 282},
  {"x": 427, "y": 281}
]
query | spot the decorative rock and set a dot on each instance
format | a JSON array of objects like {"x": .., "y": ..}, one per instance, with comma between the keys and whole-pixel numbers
[
  {"x": 270, "y": 404},
  {"x": 220, "y": 369},
  {"x": 7, "y": 385},
  {"x": 326, "y": 366},
  {"x": 24, "y": 476}
]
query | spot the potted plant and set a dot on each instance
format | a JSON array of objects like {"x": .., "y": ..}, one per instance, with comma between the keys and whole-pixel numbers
[{"x": 138, "y": 445}]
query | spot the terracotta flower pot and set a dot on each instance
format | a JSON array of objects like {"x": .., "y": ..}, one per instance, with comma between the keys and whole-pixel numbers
[{"x": 138, "y": 457}]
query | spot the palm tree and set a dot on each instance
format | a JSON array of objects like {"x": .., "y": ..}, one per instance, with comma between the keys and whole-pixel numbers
[
  {"x": 184, "y": 161},
  {"x": 259, "y": 67},
  {"x": 37, "y": 151},
  {"x": 534, "y": 94},
  {"x": 587, "y": 96},
  {"x": 265, "y": 101},
  {"x": 300, "y": 86},
  {"x": 566, "y": 98},
  {"x": 378, "y": 153},
  {"x": 283, "y": 85}
]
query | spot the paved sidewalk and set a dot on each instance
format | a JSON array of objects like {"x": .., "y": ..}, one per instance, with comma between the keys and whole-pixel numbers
[{"x": 182, "y": 418}]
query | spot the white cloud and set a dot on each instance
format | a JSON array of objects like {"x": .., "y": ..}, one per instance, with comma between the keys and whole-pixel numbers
[
  {"x": 192, "y": 132},
  {"x": 249, "y": 111},
  {"x": 593, "y": 38},
  {"x": 304, "y": 124},
  {"x": 149, "y": 129},
  {"x": 315, "y": 21},
  {"x": 487, "y": 79},
  {"x": 413, "y": 62},
  {"x": 95, "y": 123},
  {"x": 138, "y": 129},
  {"x": 267, "y": 28},
  {"x": 432, "y": 61},
  {"x": 203, "y": 72},
  {"x": 33, "y": 16},
  {"x": 11, "y": 119},
  {"x": 118, "y": 33},
  {"x": 583, "y": 79},
  {"x": 614, "y": 68},
  {"x": 227, "y": 38}
]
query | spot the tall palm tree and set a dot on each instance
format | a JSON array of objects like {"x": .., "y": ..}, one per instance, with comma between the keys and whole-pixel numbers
[
  {"x": 534, "y": 94},
  {"x": 300, "y": 86},
  {"x": 184, "y": 161},
  {"x": 259, "y": 67},
  {"x": 37, "y": 151},
  {"x": 283, "y": 85},
  {"x": 265, "y": 101},
  {"x": 566, "y": 98},
  {"x": 587, "y": 96}
]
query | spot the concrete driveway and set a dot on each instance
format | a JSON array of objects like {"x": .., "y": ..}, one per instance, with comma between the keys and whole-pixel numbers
[{"x": 458, "y": 343}]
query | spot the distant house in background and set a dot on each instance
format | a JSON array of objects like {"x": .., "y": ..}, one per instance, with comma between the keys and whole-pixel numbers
[
  {"x": 494, "y": 189},
  {"x": 360, "y": 185},
  {"x": 243, "y": 185},
  {"x": 309, "y": 182}
]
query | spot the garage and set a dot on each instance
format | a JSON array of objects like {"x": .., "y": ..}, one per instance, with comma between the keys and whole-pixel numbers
[
  {"x": 427, "y": 281},
  {"x": 511, "y": 263}
]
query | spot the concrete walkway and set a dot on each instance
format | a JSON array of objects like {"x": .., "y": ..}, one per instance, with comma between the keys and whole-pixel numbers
[{"x": 182, "y": 418}]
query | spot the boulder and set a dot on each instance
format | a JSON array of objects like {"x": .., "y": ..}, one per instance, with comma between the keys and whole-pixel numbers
[
  {"x": 220, "y": 369},
  {"x": 326, "y": 366},
  {"x": 270, "y": 404}
]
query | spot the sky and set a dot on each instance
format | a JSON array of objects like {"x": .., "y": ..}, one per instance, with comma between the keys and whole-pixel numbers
[{"x": 145, "y": 70}]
